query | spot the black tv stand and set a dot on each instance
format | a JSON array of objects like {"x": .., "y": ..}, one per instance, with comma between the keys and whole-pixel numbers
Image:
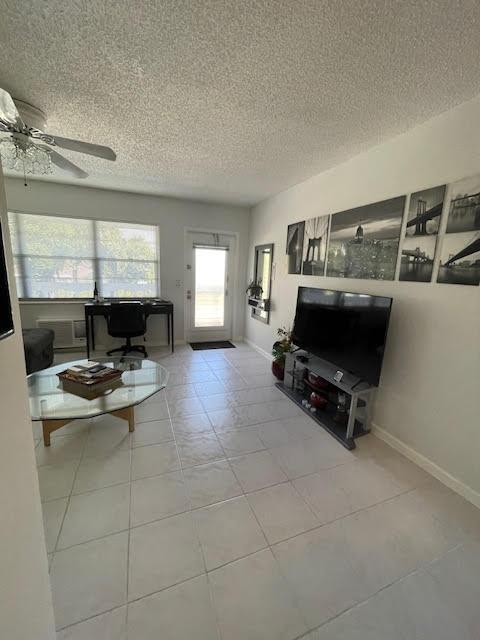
[{"x": 357, "y": 391}]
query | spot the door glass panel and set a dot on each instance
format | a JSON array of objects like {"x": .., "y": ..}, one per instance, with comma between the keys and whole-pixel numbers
[{"x": 210, "y": 267}]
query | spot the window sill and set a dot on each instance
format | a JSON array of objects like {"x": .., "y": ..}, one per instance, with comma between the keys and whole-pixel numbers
[
  {"x": 56, "y": 301},
  {"x": 81, "y": 301}
]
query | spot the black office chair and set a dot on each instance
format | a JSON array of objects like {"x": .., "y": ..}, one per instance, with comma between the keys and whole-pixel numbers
[{"x": 127, "y": 320}]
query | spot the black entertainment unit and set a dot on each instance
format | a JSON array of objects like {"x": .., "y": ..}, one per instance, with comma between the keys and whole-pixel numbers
[{"x": 341, "y": 338}]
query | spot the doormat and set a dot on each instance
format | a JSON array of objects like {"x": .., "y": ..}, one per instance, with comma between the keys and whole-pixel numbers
[{"x": 203, "y": 346}]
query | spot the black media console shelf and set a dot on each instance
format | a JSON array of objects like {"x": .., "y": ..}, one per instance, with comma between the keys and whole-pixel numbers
[{"x": 359, "y": 393}]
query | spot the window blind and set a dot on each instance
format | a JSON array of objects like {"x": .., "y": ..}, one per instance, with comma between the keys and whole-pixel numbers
[{"x": 57, "y": 257}]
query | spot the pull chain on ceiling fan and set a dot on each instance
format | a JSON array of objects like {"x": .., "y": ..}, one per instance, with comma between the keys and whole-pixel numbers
[{"x": 29, "y": 149}]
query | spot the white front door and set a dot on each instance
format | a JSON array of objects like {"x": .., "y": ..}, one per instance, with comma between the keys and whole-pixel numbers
[{"x": 209, "y": 300}]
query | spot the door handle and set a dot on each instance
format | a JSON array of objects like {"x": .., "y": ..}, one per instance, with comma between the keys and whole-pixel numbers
[{"x": 189, "y": 295}]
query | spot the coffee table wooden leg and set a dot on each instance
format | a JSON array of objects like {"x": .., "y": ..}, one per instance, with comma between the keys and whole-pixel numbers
[
  {"x": 49, "y": 426},
  {"x": 131, "y": 419},
  {"x": 46, "y": 433},
  {"x": 127, "y": 414}
]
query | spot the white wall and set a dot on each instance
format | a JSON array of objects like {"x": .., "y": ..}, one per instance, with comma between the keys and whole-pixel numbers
[
  {"x": 172, "y": 215},
  {"x": 25, "y": 599},
  {"x": 429, "y": 398}
]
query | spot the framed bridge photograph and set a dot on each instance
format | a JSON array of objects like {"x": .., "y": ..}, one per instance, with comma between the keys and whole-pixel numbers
[
  {"x": 421, "y": 233},
  {"x": 464, "y": 214},
  {"x": 315, "y": 246},
  {"x": 460, "y": 259},
  {"x": 460, "y": 256}
]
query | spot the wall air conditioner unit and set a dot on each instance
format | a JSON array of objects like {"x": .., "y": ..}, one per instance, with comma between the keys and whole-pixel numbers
[{"x": 68, "y": 332}]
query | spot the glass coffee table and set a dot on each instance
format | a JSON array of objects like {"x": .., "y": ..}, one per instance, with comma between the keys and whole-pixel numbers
[{"x": 55, "y": 406}]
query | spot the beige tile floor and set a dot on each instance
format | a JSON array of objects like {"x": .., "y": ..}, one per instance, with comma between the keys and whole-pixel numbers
[{"x": 229, "y": 514}]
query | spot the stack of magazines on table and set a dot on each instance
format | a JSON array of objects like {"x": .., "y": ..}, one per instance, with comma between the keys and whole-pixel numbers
[{"x": 90, "y": 378}]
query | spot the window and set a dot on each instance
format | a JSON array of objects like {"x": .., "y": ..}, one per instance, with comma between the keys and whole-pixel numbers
[
  {"x": 64, "y": 257},
  {"x": 210, "y": 267}
]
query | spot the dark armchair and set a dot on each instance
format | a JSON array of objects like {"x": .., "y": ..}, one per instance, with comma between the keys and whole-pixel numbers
[{"x": 38, "y": 347}]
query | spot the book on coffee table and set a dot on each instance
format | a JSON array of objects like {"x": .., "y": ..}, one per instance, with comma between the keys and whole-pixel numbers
[{"x": 93, "y": 374}]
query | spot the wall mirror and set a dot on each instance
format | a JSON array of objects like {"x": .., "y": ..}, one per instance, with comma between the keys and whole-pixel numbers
[{"x": 259, "y": 300}]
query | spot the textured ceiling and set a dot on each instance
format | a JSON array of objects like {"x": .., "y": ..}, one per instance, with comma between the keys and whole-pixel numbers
[{"x": 235, "y": 100}]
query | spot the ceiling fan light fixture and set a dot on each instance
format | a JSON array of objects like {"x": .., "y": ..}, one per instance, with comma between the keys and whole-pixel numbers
[
  {"x": 25, "y": 158},
  {"x": 27, "y": 148}
]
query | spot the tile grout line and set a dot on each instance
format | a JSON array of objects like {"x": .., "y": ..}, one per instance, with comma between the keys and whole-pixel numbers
[
  {"x": 246, "y": 496},
  {"x": 69, "y": 497},
  {"x": 97, "y": 615},
  {"x": 209, "y": 582},
  {"x": 304, "y": 500},
  {"x": 284, "y": 580},
  {"x": 165, "y": 399},
  {"x": 126, "y": 604},
  {"x": 286, "y": 583},
  {"x": 196, "y": 532},
  {"x": 360, "y": 603},
  {"x": 176, "y": 584},
  {"x": 243, "y": 492},
  {"x": 187, "y": 490},
  {"x": 127, "y": 572},
  {"x": 241, "y": 495}
]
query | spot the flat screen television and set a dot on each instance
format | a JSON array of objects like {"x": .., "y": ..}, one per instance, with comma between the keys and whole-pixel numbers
[
  {"x": 6, "y": 320},
  {"x": 348, "y": 330}
]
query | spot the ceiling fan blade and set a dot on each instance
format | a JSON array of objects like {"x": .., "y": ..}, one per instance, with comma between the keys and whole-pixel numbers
[
  {"x": 66, "y": 165},
  {"x": 82, "y": 147},
  {"x": 8, "y": 111}
]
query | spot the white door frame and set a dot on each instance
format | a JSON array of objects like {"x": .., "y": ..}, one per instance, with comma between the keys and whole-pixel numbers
[{"x": 235, "y": 276}]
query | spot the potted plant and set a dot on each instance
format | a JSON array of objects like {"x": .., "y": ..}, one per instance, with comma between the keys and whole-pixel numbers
[
  {"x": 254, "y": 289},
  {"x": 279, "y": 351}
]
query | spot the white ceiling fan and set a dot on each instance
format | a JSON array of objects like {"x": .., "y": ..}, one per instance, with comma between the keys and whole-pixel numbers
[{"x": 30, "y": 146}]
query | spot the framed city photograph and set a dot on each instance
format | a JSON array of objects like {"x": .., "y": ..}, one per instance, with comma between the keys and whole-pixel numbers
[{"x": 364, "y": 241}]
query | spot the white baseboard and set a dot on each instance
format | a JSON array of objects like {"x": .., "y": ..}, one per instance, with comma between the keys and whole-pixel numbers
[
  {"x": 261, "y": 351},
  {"x": 430, "y": 467},
  {"x": 422, "y": 461}
]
